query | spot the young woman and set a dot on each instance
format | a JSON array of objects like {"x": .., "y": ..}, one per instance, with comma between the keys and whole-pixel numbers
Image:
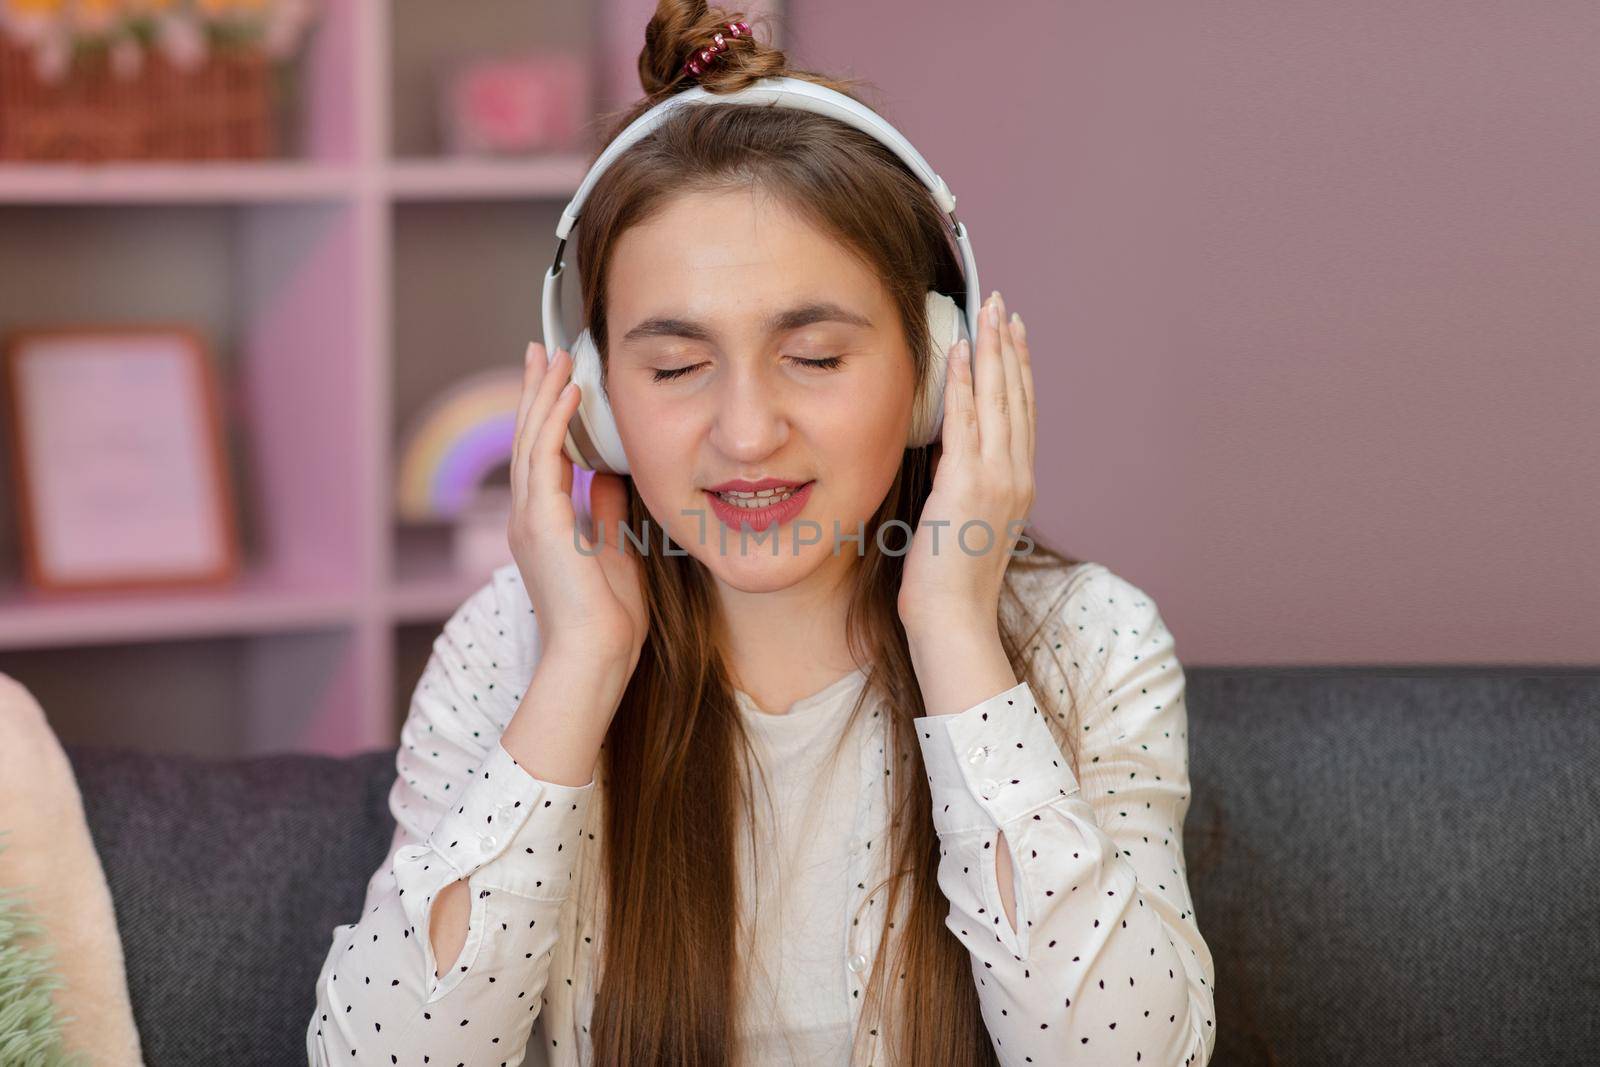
[{"x": 799, "y": 800}]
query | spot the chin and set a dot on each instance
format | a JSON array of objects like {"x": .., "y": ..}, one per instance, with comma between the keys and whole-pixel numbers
[{"x": 758, "y": 570}]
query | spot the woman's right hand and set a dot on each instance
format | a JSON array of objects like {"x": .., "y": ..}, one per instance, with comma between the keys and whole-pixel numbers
[{"x": 588, "y": 604}]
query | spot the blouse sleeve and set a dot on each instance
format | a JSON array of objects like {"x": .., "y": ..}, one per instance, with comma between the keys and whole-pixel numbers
[
  {"x": 1107, "y": 960},
  {"x": 463, "y": 808}
]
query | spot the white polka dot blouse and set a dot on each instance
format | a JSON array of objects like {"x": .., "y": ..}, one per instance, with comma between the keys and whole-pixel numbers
[{"x": 1105, "y": 964}]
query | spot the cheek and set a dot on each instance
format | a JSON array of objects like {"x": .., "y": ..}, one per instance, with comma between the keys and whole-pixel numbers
[
  {"x": 869, "y": 423},
  {"x": 659, "y": 445},
  {"x": 862, "y": 442}
]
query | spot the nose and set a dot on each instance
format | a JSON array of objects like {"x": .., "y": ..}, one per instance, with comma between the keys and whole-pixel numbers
[{"x": 750, "y": 419}]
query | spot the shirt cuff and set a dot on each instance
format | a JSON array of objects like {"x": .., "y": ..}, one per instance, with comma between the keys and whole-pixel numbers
[
  {"x": 516, "y": 832},
  {"x": 991, "y": 763}
]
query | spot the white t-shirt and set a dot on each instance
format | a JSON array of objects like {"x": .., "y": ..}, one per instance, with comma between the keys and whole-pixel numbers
[{"x": 796, "y": 1004}]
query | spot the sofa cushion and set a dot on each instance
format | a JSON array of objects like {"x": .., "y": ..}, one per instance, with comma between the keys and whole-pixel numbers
[{"x": 229, "y": 878}]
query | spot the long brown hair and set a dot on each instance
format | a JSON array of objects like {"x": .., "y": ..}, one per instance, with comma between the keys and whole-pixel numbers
[{"x": 672, "y": 789}]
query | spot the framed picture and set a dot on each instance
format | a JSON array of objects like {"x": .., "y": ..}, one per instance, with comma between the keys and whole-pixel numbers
[{"x": 118, "y": 458}]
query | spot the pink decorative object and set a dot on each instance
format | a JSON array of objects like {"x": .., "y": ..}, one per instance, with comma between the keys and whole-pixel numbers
[{"x": 516, "y": 105}]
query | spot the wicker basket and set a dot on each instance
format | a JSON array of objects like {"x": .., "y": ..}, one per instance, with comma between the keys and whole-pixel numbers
[{"x": 222, "y": 109}]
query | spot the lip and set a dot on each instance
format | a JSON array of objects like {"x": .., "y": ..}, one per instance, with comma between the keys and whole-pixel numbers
[
  {"x": 739, "y": 485},
  {"x": 760, "y": 518}
]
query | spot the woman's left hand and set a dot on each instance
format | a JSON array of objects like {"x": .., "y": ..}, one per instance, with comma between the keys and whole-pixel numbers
[{"x": 983, "y": 480}]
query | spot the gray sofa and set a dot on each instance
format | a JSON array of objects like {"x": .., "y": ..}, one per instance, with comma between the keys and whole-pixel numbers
[{"x": 1392, "y": 866}]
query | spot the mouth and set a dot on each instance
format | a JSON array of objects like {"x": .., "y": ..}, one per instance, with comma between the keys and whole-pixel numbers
[{"x": 760, "y": 508}]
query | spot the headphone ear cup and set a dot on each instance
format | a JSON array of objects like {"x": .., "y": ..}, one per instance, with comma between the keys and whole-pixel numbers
[
  {"x": 592, "y": 439},
  {"x": 946, "y": 326}
]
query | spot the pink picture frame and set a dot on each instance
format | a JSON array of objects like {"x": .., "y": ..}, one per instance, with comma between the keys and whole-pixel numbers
[{"x": 118, "y": 459}]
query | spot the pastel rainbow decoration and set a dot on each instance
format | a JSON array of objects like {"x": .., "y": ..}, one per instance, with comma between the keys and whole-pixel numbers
[{"x": 450, "y": 447}]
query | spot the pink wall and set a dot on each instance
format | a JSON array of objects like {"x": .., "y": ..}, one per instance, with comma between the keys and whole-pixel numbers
[{"x": 1314, "y": 293}]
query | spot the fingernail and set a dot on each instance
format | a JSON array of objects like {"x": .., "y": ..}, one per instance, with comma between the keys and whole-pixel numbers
[
  {"x": 527, "y": 356},
  {"x": 963, "y": 350},
  {"x": 1016, "y": 324},
  {"x": 999, "y": 301},
  {"x": 991, "y": 315},
  {"x": 566, "y": 390}
]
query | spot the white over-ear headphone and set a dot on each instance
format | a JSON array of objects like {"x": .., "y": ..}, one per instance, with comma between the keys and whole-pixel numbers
[{"x": 592, "y": 441}]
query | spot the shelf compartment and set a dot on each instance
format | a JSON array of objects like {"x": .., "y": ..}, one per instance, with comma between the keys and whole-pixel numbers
[
  {"x": 427, "y": 39},
  {"x": 465, "y": 298},
  {"x": 272, "y": 288}
]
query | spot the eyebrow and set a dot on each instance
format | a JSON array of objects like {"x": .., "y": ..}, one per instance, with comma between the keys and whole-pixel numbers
[{"x": 778, "y": 322}]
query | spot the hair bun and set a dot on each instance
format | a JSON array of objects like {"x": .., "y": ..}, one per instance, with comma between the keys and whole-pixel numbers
[{"x": 681, "y": 28}]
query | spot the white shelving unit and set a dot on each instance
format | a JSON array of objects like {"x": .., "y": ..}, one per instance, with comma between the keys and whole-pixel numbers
[{"x": 340, "y": 290}]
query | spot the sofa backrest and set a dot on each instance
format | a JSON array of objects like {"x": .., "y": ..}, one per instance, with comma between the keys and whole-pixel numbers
[
  {"x": 1398, "y": 866},
  {"x": 1390, "y": 866}
]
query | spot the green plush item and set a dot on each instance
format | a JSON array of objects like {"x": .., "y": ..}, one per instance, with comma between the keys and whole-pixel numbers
[
  {"x": 30, "y": 1031},
  {"x": 50, "y": 868}
]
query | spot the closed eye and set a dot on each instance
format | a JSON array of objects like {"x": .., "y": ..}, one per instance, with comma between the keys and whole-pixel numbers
[{"x": 829, "y": 363}]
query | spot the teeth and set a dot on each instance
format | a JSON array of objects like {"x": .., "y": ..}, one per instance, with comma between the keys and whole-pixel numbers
[
  {"x": 757, "y": 493},
  {"x": 762, "y": 499}
]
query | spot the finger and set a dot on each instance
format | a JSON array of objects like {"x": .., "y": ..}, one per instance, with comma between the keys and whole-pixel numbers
[
  {"x": 553, "y": 377},
  {"x": 1016, "y": 410},
  {"x": 547, "y": 463},
  {"x": 533, "y": 367},
  {"x": 989, "y": 377},
  {"x": 1020, "y": 331},
  {"x": 959, "y": 434},
  {"x": 1016, "y": 403},
  {"x": 548, "y": 422}
]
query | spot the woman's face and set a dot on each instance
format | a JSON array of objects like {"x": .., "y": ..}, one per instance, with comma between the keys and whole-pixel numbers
[{"x": 714, "y": 306}]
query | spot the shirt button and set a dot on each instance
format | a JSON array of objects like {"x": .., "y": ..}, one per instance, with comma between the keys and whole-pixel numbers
[
  {"x": 978, "y": 754},
  {"x": 858, "y": 962},
  {"x": 989, "y": 788},
  {"x": 506, "y": 811},
  {"x": 487, "y": 841}
]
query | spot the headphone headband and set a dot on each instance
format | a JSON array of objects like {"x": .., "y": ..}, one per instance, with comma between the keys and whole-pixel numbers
[{"x": 778, "y": 92}]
